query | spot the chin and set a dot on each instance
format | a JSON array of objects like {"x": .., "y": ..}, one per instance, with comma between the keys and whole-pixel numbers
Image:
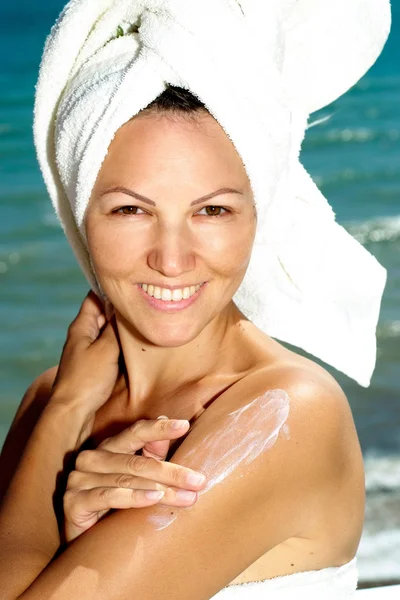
[
  {"x": 162, "y": 332},
  {"x": 168, "y": 336}
]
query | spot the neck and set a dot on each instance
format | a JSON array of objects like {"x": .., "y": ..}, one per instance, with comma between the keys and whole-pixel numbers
[{"x": 152, "y": 370}]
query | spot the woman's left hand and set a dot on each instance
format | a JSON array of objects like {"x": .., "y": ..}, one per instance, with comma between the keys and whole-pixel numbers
[
  {"x": 114, "y": 476},
  {"x": 89, "y": 367}
]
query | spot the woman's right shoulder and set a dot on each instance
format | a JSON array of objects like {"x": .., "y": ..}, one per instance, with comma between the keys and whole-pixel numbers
[
  {"x": 29, "y": 410},
  {"x": 39, "y": 391}
]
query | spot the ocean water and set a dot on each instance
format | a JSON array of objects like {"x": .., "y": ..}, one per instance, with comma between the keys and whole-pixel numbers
[{"x": 354, "y": 155}]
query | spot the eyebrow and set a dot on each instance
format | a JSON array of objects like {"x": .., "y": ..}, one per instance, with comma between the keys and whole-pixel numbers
[{"x": 133, "y": 194}]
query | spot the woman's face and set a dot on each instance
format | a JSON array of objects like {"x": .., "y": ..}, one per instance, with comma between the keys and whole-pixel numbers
[{"x": 172, "y": 209}]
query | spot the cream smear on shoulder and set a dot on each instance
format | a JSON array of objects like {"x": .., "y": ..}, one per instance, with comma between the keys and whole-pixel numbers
[{"x": 246, "y": 434}]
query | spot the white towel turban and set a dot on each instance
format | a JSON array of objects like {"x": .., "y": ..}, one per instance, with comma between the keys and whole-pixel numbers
[{"x": 260, "y": 67}]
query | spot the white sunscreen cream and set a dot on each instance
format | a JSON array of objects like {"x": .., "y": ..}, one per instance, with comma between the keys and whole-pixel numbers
[{"x": 246, "y": 434}]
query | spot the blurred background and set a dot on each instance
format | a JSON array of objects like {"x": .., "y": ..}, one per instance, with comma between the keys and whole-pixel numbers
[{"x": 353, "y": 155}]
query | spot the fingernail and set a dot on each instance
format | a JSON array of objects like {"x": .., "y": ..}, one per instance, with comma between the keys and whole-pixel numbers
[
  {"x": 179, "y": 424},
  {"x": 162, "y": 417},
  {"x": 154, "y": 495},
  {"x": 186, "y": 496},
  {"x": 195, "y": 479}
]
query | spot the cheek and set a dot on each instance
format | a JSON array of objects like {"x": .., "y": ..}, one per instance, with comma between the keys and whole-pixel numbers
[
  {"x": 114, "y": 251},
  {"x": 230, "y": 250}
]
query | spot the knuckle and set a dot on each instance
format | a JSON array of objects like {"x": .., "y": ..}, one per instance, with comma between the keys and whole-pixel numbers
[
  {"x": 104, "y": 442},
  {"x": 124, "y": 481},
  {"x": 72, "y": 328},
  {"x": 68, "y": 500},
  {"x": 136, "y": 463},
  {"x": 176, "y": 474},
  {"x": 105, "y": 495},
  {"x": 136, "y": 426},
  {"x": 84, "y": 460},
  {"x": 162, "y": 425},
  {"x": 74, "y": 480}
]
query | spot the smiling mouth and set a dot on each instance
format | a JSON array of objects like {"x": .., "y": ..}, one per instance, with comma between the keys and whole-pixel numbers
[{"x": 168, "y": 295}]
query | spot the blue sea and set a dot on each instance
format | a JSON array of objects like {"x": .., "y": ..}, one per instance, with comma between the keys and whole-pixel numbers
[{"x": 354, "y": 156}]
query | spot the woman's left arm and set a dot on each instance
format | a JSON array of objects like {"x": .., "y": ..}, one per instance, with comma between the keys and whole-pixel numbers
[{"x": 29, "y": 532}]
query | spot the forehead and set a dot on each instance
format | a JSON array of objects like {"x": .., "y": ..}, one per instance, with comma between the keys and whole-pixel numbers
[{"x": 157, "y": 143}]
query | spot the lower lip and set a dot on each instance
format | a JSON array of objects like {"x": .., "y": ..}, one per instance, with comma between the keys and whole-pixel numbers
[{"x": 171, "y": 306}]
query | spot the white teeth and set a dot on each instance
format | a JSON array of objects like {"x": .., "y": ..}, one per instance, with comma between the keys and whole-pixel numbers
[
  {"x": 177, "y": 295},
  {"x": 168, "y": 295}
]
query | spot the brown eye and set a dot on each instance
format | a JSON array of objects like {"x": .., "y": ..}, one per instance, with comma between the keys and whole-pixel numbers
[
  {"x": 127, "y": 210},
  {"x": 214, "y": 211}
]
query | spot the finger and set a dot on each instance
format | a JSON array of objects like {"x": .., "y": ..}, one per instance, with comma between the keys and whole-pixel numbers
[
  {"x": 106, "y": 498},
  {"x": 85, "y": 325},
  {"x": 172, "y": 496},
  {"x": 108, "y": 341},
  {"x": 169, "y": 474},
  {"x": 158, "y": 450},
  {"x": 136, "y": 436},
  {"x": 79, "y": 480}
]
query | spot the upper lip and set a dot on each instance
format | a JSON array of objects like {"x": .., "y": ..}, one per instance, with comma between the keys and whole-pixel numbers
[{"x": 172, "y": 287}]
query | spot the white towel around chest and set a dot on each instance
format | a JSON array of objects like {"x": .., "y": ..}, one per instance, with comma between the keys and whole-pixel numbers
[{"x": 332, "y": 583}]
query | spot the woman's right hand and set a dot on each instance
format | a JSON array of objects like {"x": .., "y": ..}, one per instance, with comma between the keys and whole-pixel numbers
[{"x": 114, "y": 477}]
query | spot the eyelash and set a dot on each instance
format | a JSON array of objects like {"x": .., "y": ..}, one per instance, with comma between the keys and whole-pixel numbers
[{"x": 118, "y": 211}]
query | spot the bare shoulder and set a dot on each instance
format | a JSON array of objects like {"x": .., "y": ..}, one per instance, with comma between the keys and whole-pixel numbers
[
  {"x": 25, "y": 419},
  {"x": 312, "y": 392},
  {"x": 37, "y": 394},
  {"x": 313, "y": 445},
  {"x": 322, "y": 454},
  {"x": 320, "y": 416}
]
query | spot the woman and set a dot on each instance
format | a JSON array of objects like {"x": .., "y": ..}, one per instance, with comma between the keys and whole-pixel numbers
[{"x": 282, "y": 492}]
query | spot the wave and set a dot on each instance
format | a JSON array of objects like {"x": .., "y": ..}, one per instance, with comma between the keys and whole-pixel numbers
[
  {"x": 378, "y": 556},
  {"x": 357, "y": 176},
  {"x": 389, "y": 329},
  {"x": 355, "y": 135},
  {"x": 383, "y": 83},
  {"x": 382, "y": 472},
  {"x": 379, "y": 229}
]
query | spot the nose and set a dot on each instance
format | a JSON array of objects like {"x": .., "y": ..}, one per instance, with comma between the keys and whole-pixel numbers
[{"x": 172, "y": 252}]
